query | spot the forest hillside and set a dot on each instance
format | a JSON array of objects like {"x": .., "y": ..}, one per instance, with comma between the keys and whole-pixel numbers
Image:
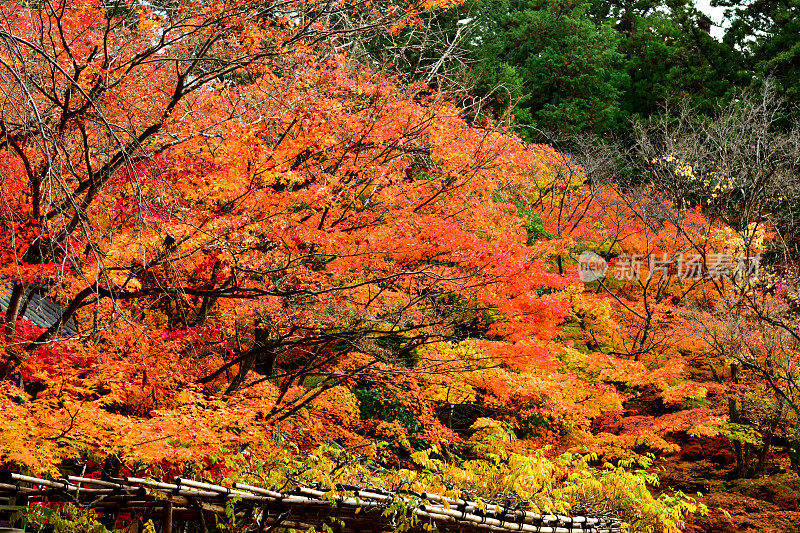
[{"x": 536, "y": 254}]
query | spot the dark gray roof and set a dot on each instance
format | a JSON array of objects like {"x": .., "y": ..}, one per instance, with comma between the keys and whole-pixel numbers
[{"x": 36, "y": 307}]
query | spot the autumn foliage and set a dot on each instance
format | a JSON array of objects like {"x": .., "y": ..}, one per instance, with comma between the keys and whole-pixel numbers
[{"x": 264, "y": 240}]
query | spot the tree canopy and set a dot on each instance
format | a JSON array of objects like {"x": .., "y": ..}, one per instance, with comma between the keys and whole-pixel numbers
[{"x": 299, "y": 243}]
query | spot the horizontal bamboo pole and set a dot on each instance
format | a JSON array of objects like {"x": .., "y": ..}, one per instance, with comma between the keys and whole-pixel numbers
[
  {"x": 64, "y": 485},
  {"x": 257, "y": 490},
  {"x": 438, "y": 498},
  {"x": 100, "y": 483},
  {"x": 369, "y": 494},
  {"x": 220, "y": 490},
  {"x": 181, "y": 481},
  {"x": 346, "y": 500},
  {"x": 154, "y": 484},
  {"x": 14, "y": 489}
]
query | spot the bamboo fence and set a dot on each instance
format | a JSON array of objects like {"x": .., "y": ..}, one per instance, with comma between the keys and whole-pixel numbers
[{"x": 347, "y": 509}]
